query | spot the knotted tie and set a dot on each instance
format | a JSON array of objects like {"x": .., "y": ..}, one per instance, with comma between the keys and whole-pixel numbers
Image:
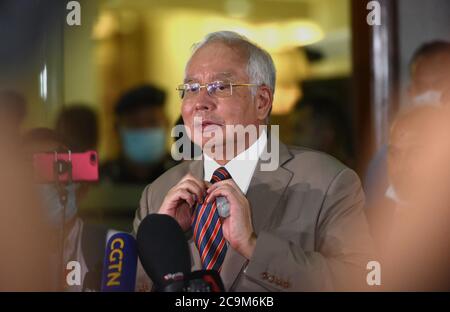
[{"x": 207, "y": 229}]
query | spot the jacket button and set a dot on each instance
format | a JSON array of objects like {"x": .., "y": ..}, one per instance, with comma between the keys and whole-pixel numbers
[
  {"x": 264, "y": 275},
  {"x": 270, "y": 278},
  {"x": 278, "y": 281},
  {"x": 286, "y": 285}
]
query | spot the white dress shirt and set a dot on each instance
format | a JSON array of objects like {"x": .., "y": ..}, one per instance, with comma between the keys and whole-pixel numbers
[{"x": 241, "y": 167}]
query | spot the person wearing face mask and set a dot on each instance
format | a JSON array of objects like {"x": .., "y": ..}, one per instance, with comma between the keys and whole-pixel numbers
[
  {"x": 141, "y": 126},
  {"x": 83, "y": 242}
]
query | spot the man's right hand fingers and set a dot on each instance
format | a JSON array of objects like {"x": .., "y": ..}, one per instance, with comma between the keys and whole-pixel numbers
[
  {"x": 192, "y": 186},
  {"x": 202, "y": 184},
  {"x": 185, "y": 195}
]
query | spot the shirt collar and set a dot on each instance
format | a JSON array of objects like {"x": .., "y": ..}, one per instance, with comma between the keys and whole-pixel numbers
[{"x": 241, "y": 167}]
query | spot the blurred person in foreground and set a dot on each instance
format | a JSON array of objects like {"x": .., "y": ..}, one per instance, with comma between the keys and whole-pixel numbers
[
  {"x": 25, "y": 254},
  {"x": 83, "y": 242},
  {"x": 297, "y": 226},
  {"x": 429, "y": 70},
  {"x": 430, "y": 82},
  {"x": 142, "y": 125},
  {"x": 415, "y": 236}
]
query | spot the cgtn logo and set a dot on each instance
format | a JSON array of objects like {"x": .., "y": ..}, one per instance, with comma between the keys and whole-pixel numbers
[
  {"x": 120, "y": 262},
  {"x": 115, "y": 262}
]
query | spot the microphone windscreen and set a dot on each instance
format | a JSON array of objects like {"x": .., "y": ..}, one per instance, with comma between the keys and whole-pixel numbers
[
  {"x": 163, "y": 248},
  {"x": 120, "y": 264},
  {"x": 92, "y": 281},
  {"x": 209, "y": 277}
]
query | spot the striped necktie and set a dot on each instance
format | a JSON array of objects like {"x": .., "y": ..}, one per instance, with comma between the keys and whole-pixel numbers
[{"x": 207, "y": 229}]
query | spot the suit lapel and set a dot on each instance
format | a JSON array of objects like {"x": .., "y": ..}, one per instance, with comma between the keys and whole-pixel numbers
[
  {"x": 264, "y": 193},
  {"x": 266, "y": 189}
]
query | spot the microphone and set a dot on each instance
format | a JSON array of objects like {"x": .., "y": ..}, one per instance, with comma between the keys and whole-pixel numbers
[
  {"x": 93, "y": 241},
  {"x": 92, "y": 281},
  {"x": 165, "y": 257},
  {"x": 164, "y": 252},
  {"x": 204, "y": 281},
  {"x": 120, "y": 264}
]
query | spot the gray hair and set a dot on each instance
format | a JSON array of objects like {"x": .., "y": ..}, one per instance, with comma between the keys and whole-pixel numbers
[{"x": 260, "y": 66}]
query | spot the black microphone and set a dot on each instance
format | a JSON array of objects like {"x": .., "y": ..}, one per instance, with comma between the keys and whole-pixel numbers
[
  {"x": 164, "y": 252},
  {"x": 92, "y": 281},
  {"x": 93, "y": 239},
  {"x": 204, "y": 281}
]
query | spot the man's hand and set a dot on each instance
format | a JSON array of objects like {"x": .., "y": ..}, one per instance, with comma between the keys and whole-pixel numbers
[
  {"x": 237, "y": 228},
  {"x": 181, "y": 198}
]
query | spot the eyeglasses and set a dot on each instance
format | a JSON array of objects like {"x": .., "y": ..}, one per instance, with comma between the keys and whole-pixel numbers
[{"x": 219, "y": 89}]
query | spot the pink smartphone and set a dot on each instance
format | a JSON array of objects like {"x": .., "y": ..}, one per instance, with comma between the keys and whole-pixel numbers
[{"x": 84, "y": 166}]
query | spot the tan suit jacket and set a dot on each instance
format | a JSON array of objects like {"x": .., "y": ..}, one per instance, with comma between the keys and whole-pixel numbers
[{"x": 309, "y": 220}]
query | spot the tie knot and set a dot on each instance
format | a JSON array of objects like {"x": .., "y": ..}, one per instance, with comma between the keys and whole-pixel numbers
[{"x": 220, "y": 174}]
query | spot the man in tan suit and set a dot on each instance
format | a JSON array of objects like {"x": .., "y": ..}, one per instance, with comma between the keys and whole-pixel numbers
[{"x": 298, "y": 226}]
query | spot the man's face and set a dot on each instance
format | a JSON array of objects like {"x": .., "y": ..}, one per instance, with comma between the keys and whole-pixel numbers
[{"x": 218, "y": 62}]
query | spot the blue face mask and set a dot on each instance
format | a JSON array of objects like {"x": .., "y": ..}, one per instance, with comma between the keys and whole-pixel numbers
[
  {"x": 144, "y": 146},
  {"x": 52, "y": 204}
]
